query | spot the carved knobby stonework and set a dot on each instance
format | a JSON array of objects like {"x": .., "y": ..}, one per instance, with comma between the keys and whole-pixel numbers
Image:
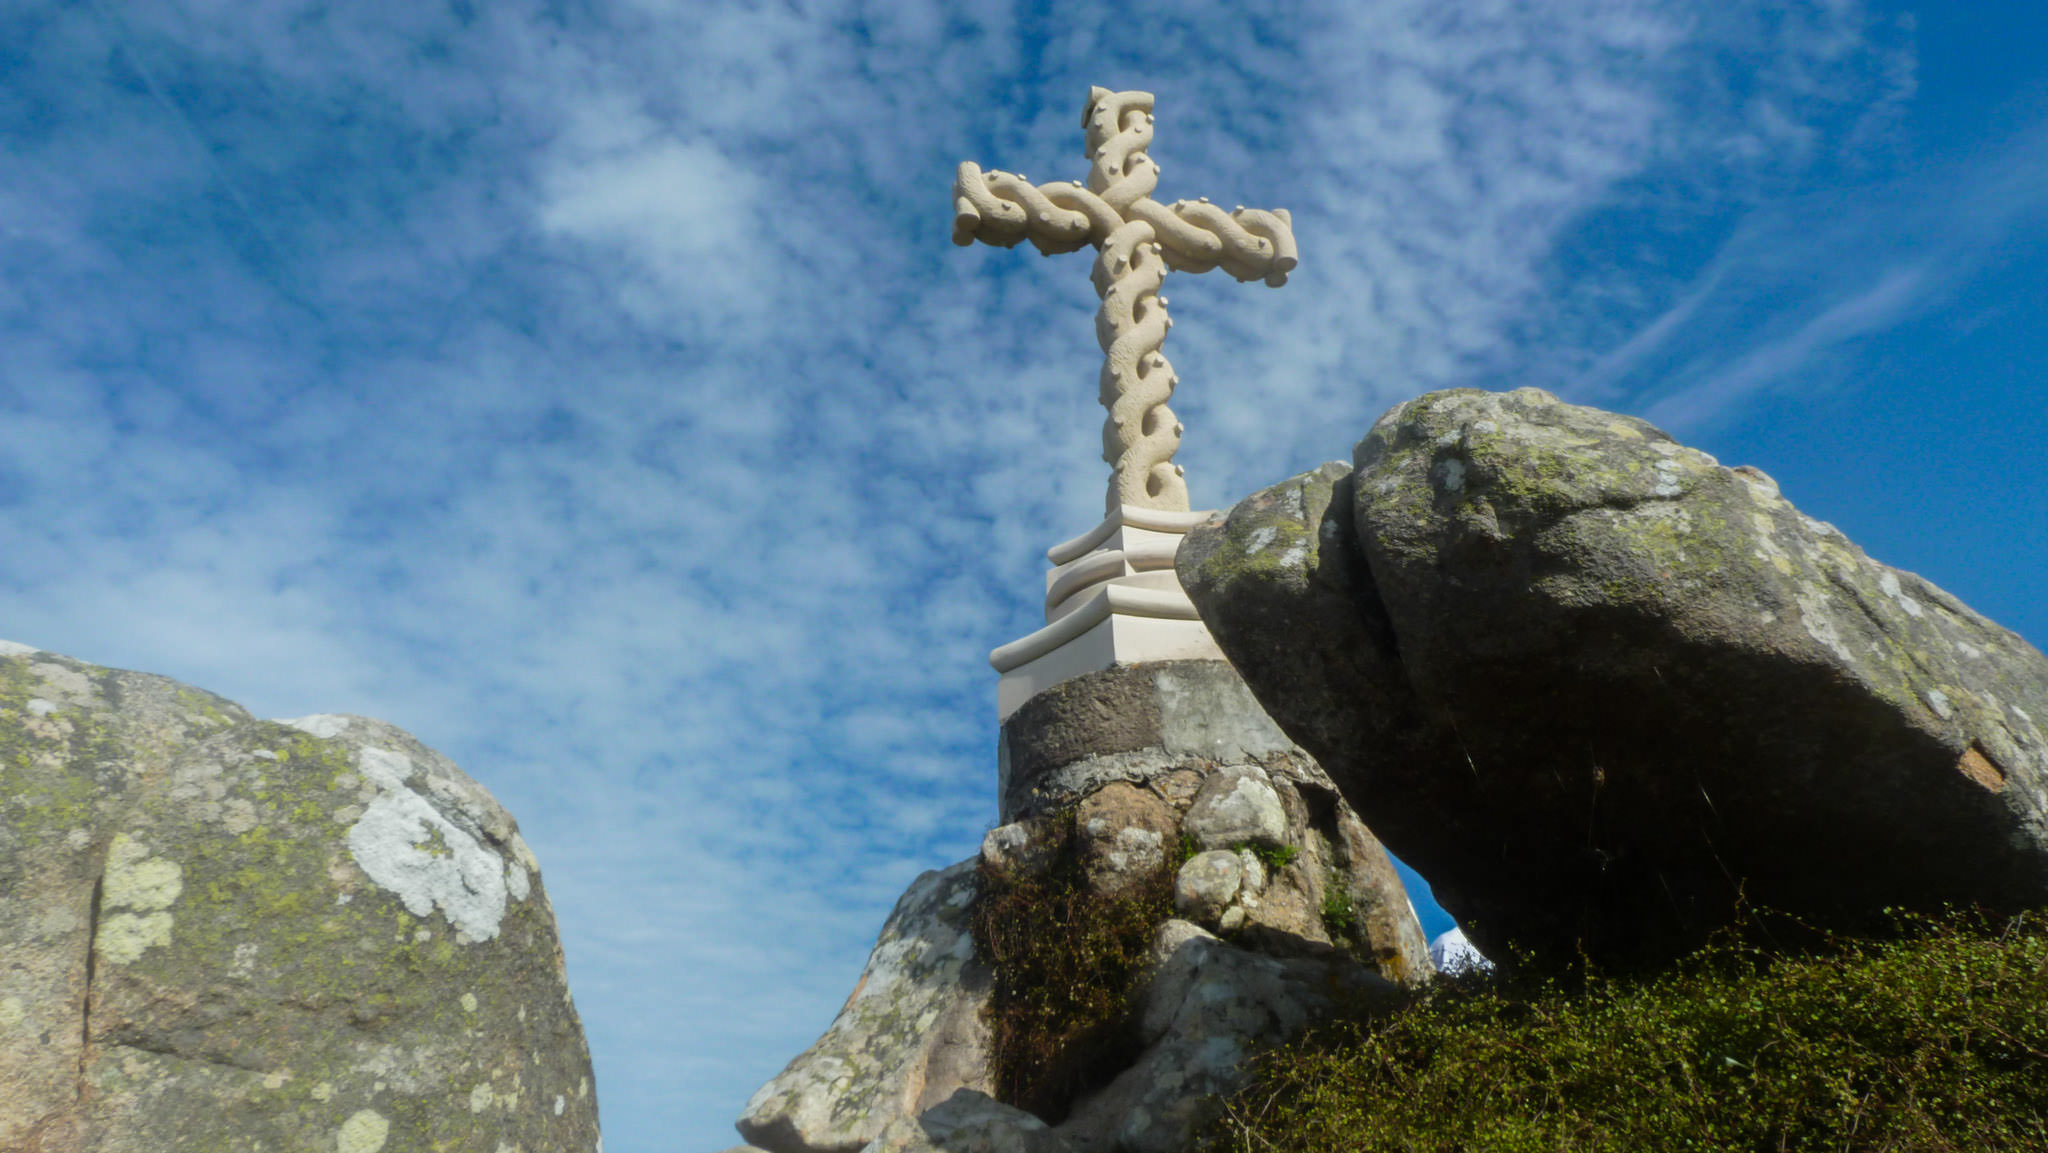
[{"x": 1138, "y": 239}]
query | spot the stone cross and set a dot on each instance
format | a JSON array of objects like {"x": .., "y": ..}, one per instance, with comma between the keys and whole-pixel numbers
[{"x": 1137, "y": 240}]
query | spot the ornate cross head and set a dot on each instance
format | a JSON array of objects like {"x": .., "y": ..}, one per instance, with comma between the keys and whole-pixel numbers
[{"x": 1138, "y": 240}]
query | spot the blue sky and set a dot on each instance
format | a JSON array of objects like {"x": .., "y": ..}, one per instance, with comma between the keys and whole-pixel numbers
[{"x": 593, "y": 390}]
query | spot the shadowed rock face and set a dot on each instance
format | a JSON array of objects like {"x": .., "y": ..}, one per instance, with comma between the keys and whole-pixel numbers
[
  {"x": 1591, "y": 684},
  {"x": 226, "y": 933}
]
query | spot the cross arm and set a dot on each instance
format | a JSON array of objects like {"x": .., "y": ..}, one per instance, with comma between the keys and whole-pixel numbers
[
  {"x": 1002, "y": 208},
  {"x": 1250, "y": 244}
]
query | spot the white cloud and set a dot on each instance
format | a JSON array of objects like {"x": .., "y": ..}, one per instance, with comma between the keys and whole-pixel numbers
[{"x": 681, "y": 209}]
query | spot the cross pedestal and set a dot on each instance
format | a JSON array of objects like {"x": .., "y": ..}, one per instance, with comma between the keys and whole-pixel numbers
[{"x": 1111, "y": 598}]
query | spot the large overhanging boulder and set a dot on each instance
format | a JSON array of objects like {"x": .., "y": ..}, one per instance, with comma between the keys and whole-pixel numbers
[{"x": 1598, "y": 688}]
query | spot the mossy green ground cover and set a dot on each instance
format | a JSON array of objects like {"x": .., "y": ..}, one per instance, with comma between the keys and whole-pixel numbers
[{"x": 1934, "y": 1039}]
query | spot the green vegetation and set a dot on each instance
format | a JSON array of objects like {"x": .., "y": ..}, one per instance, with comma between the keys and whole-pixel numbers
[
  {"x": 1274, "y": 857},
  {"x": 1065, "y": 960},
  {"x": 1339, "y": 918},
  {"x": 1934, "y": 1039}
]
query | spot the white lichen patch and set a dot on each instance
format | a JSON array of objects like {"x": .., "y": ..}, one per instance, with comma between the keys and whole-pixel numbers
[
  {"x": 69, "y": 682},
  {"x": 147, "y": 885},
  {"x": 1450, "y": 473},
  {"x": 469, "y": 1002},
  {"x": 238, "y": 814},
  {"x": 1889, "y": 583},
  {"x": 322, "y": 725},
  {"x": 480, "y": 1097},
  {"x": 41, "y": 707},
  {"x": 1819, "y": 624},
  {"x": 135, "y": 880},
  {"x": 1820, "y": 528},
  {"x": 1767, "y": 548},
  {"x": 365, "y": 1131},
  {"x": 1938, "y": 701},
  {"x": 13, "y": 1013},
  {"x": 384, "y": 768},
  {"x": 1261, "y": 538},
  {"x": 17, "y": 649},
  {"x": 124, "y": 937},
  {"x": 405, "y": 846},
  {"x": 1293, "y": 504},
  {"x": 517, "y": 882}
]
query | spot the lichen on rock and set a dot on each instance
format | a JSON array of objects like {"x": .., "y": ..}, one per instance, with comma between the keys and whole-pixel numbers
[{"x": 205, "y": 952}]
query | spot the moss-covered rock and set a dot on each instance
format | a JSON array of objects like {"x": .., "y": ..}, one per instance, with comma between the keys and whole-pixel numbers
[
  {"x": 1594, "y": 685},
  {"x": 231, "y": 934}
]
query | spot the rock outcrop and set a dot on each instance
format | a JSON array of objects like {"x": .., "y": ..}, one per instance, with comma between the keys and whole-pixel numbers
[
  {"x": 909, "y": 1038},
  {"x": 1593, "y": 685},
  {"x": 1146, "y": 772},
  {"x": 1205, "y": 1005},
  {"x": 228, "y": 933}
]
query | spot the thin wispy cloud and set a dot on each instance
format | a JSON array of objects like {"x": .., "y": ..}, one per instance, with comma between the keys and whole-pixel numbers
[
  {"x": 1874, "y": 309},
  {"x": 597, "y": 394},
  {"x": 1788, "y": 297}
]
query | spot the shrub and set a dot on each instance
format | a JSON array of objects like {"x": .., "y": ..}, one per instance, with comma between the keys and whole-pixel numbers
[{"x": 1065, "y": 961}]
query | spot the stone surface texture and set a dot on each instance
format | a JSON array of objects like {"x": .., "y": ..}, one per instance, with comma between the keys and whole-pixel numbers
[
  {"x": 1206, "y": 1005},
  {"x": 1126, "y": 834},
  {"x": 1236, "y": 807},
  {"x": 968, "y": 1122},
  {"x": 1591, "y": 683},
  {"x": 1138, "y": 758},
  {"x": 909, "y": 1037},
  {"x": 224, "y": 933}
]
